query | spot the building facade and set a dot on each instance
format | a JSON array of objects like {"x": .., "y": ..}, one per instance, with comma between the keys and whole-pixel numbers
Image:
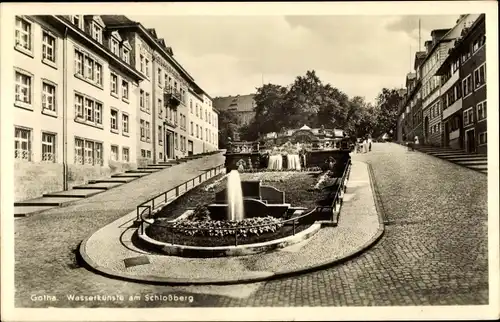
[
  {"x": 95, "y": 96},
  {"x": 69, "y": 125},
  {"x": 464, "y": 91},
  {"x": 165, "y": 97},
  {"x": 436, "y": 54},
  {"x": 242, "y": 106}
]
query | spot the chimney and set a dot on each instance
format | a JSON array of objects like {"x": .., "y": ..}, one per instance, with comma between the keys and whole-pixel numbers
[{"x": 428, "y": 46}]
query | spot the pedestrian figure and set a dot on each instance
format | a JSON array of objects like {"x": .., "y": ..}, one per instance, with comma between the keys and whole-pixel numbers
[
  {"x": 369, "y": 143},
  {"x": 365, "y": 145},
  {"x": 416, "y": 142}
]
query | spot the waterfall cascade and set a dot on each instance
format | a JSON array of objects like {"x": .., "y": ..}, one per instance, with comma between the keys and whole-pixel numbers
[
  {"x": 275, "y": 162},
  {"x": 293, "y": 161},
  {"x": 236, "y": 212}
]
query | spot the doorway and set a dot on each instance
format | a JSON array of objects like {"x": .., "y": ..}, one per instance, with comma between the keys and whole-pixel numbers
[
  {"x": 190, "y": 147},
  {"x": 169, "y": 145},
  {"x": 426, "y": 129},
  {"x": 470, "y": 141}
]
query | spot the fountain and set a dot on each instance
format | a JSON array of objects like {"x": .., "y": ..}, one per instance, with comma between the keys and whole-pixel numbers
[
  {"x": 275, "y": 162},
  {"x": 293, "y": 161},
  {"x": 234, "y": 196}
]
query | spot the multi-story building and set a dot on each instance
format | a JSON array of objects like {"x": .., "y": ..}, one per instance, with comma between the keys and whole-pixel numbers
[
  {"x": 95, "y": 95},
  {"x": 437, "y": 51},
  {"x": 415, "y": 98},
  {"x": 71, "y": 123},
  {"x": 242, "y": 106},
  {"x": 464, "y": 91},
  {"x": 164, "y": 96},
  {"x": 203, "y": 124}
]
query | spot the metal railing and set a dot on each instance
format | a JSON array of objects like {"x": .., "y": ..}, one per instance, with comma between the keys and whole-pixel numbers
[
  {"x": 163, "y": 198},
  {"x": 237, "y": 230},
  {"x": 337, "y": 201}
]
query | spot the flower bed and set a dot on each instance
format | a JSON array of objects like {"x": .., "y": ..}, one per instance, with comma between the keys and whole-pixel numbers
[{"x": 199, "y": 230}]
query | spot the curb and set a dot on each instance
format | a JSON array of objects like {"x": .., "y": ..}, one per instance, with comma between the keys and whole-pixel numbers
[{"x": 261, "y": 276}]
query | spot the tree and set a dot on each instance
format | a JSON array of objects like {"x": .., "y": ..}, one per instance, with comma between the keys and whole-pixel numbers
[
  {"x": 387, "y": 110},
  {"x": 228, "y": 124}
]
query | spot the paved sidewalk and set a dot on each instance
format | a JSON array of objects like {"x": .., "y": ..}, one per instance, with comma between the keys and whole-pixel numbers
[{"x": 358, "y": 228}]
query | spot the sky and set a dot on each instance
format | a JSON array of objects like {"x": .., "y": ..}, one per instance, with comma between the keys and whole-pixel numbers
[{"x": 230, "y": 55}]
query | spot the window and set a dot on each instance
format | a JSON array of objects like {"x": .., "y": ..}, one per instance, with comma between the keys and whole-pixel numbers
[
  {"x": 483, "y": 139},
  {"x": 91, "y": 69},
  {"x": 191, "y": 106},
  {"x": 125, "y": 155},
  {"x": 79, "y": 105},
  {"x": 141, "y": 99},
  {"x": 467, "y": 86},
  {"x": 176, "y": 137},
  {"x": 77, "y": 21},
  {"x": 160, "y": 136},
  {"x": 141, "y": 58},
  {"x": 148, "y": 154},
  {"x": 114, "y": 121},
  {"x": 143, "y": 129},
  {"x": 125, "y": 89},
  {"x": 114, "y": 84},
  {"x": 206, "y": 117},
  {"x": 115, "y": 49},
  {"x": 97, "y": 33},
  {"x": 88, "y": 109},
  {"x": 160, "y": 108},
  {"x": 192, "y": 129},
  {"x": 48, "y": 97},
  {"x": 159, "y": 76},
  {"x": 148, "y": 106},
  {"x": 88, "y": 152},
  {"x": 79, "y": 63},
  {"x": 147, "y": 67},
  {"x": 197, "y": 109},
  {"x": 98, "y": 73},
  {"x": 22, "y": 144},
  {"x": 48, "y": 147},
  {"x": 468, "y": 116},
  {"x": 125, "y": 123},
  {"x": 197, "y": 131},
  {"x": 126, "y": 55},
  {"x": 49, "y": 47},
  {"x": 480, "y": 76},
  {"x": 23, "y": 88},
  {"x": 481, "y": 111},
  {"x": 143, "y": 153},
  {"x": 148, "y": 131},
  {"x": 23, "y": 35},
  {"x": 206, "y": 134},
  {"x": 114, "y": 153}
]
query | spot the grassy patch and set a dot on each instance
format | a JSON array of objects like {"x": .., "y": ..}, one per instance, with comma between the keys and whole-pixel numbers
[{"x": 296, "y": 185}]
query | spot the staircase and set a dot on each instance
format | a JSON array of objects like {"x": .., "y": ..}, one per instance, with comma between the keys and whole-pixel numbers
[
  {"x": 93, "y": 187},
  {"x": 478, "y": 162}
]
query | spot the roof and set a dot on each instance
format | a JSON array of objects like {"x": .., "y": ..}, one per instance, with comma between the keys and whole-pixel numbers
[
  {"x": 240, "y": 103},
  {"x": 123, "y": 21},
  {"x": 454, "y": 51},
  {"x": 419, "y": 58}
]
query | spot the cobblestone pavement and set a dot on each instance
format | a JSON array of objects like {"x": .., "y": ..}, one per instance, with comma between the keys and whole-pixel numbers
[{"x": 434, "y": 251}]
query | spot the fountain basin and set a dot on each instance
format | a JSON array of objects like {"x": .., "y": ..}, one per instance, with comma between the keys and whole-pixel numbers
[{"x": 253, "y": 208}]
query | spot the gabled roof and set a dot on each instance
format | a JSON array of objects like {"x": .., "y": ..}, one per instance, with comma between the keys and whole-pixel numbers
[
  {"x": 152, "y": 31},
  {"x": 95, "y": 18},
  {"x": 116, "y": 20},
  {"x": 127, "y": 45},
  {"x": 116, "y": 35}
]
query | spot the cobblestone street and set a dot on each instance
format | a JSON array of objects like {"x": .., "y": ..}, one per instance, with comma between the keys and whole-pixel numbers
[{"x": 433, "y": 252}]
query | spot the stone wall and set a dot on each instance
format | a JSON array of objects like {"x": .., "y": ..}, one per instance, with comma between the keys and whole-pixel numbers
[
  {"x": 33, "y": 179},
  {"x": 81, "y": 174}
]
